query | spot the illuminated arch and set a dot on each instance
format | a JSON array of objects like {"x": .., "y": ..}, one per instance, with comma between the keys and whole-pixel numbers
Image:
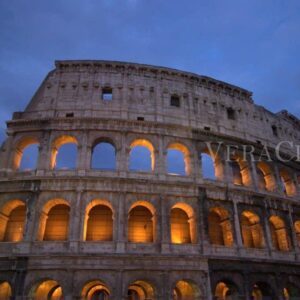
[
  {"x": 280, "y": 239},
  {"x": 183, "y": 224},
  {"x": 12, "y": 221},
  {"x": 146, "y": 144},
  {"x": 261, "y": 291},
  {"x": 241, "y": 171},
  {"x": 98, "y": 224},
  {"x": 46, "y": 290},
  {"x": 5, "y": 291},
  {"x": 95, "y": 289},
  {"x": 186, "y": 158},
  {"x": 251, "y": 229},
  {"x": 226, "y": 290},
  {"x": 266, "y": 179},
  {"x": 21, "y": 147},
  {"x": 297, "y": 230},
  {"x": 103, "y": 154},
  {"x": 62, "y": 140},
  {"x": 288, "y": 183},
  {"x": 140, "y": 290},
  {"x": 291, "y": 292},
  {"x": 213, "y": 160},
  {"x": 186, "y": 290},
  {"x": 54, "y": 221},
  {"x": 219, "y": 227},
  {"x": 141, "y": 223}
]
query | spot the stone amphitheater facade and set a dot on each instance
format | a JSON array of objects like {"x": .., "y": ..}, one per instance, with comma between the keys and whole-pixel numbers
[{"x": 87, "y": 233}]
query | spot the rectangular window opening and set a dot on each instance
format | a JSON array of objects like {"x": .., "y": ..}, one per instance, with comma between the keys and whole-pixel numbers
[
  {"x": 175, "y": 101},
  {"x": 274, "y": 130},
  {"x": 69, "y": 115},
  {"x": 140, "y": 118},
  {"x": 230, "y": 113},
  {"x": 107, "y": 94}
]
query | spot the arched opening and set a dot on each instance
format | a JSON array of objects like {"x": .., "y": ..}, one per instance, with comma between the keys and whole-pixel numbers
[
  {"x": 140, "y": 290},
  {"x": 47, "y": 290},
  {"x": 54, "y": 221},
  {"x": 12, "y": 221},
  {"x": 141, "y": 223},
  {"x": 261, "y": 291},
  {"x": 64, "y": 153},
  {"x": 288, "y": 183},
  {"x": 178, "y": 160},
  {"x": 280, "y": 239},
  {"x": 226, "y": 290},
  {"x": 104, "y": 156},
  {"x": 186, "y": 290},
  {"x": 291, "y": 292},
  {"x": 26, "y": 154},
  {"x": 266, "y": 178},
  {"x": 95, "y": 290},
  {"x": 141, "y": 156},
  {"x": 183, "y": 224},
  {"x": 5, "y": 291},
  {"x": 252, "y": 231},
  {"x": 219, "y": 227},
  {"x": 240, "y": 171},
  {"x": 212, "y": 167},
  {"x": 99, "y": 223},
  {"x": 297, "y": 230}
]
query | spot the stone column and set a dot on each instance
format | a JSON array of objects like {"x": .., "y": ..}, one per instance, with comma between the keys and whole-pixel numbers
[
  {"x": 84, "y": 154},
  {"x": 122, "y": 224},
  {"x": 293, "y": 231},
  {"x": 280, "y": 187},
  {"x": 165, "y": 226},
  {"x": 161, "y": 166},
  {"x": 268, "y": 231},
  {"x": 43, "y": 163},
  {"x": 237, "y": 225}
]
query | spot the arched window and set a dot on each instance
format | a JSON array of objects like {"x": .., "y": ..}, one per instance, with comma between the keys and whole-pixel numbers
[
  {"x": 297, "y": 230},
  {"x": 186, "y": 290},
  {"x": 280, "y": 239},
  {"x": 26, "y": 154},
  {"x": 240, "y": 171},
  {"x": 178, "y": 160},
  {"x": 208, "y": 167},
  {"x": 104, "y": 156},
  {"x": 266, "y": 178},
  {"x": 252, "y": 231},
  {"x": 212, "y": 166},
  {"x": 261, "y": 291},
  {"x": 64, "y": 153},
  {"x": 219, "y": 227},
  {"x": 5, "y": 291},
  {"x": 226, "y": 290},
  {"x": 140, "y": 290},
  {"x": 288, "y": 183},
  {"x": 180, "y": 227},
  {"x": 99, "y": 223},
  {"x": 49, "y": 289},
  {"x": 142, "y": 156},
  {"x": 140, "y": 225},
  {"x": 54, "y": 221},
  {"x": 95, "y": 290},
  {"x": 12, "y": 221}
]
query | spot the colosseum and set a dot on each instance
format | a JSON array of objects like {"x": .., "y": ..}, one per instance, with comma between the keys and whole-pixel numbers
[{"x": 126, "y": 181}]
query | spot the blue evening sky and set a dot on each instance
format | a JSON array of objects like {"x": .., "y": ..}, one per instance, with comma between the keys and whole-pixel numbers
[{"x": 253, "y": 44}]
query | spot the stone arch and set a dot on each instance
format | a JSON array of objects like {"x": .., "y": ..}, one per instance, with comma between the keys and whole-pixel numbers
[
  {"x": 48, "y": 289},
  {"x": 12, "y": 221},
  {"x": 100, "y": 147},
  {"x": 226, "y": 290},
  {"x": 5, "y": 290},
  {"x": 291, "y": 292},
  {"x": 216, "y": 161},
  {"x": 186, "y": 157},
  {"x": 183, "y": 224},
  {"x": 20, "y": 148},
  {"x": 186, "y": 290},
  {"x": 141, "y": 222},
  {"x": 98, "y": 221},
  {"x": 262, "y": 291},
  {"x": 141, "y": 290},
  {"x": 288, "y": 183},
  {"x": 95, "y": 289},
  {"x": 240, "y": 171},
  {"x": 146, "y": 144},
  {"x": 280, "y": 238},
  {"x": 251, "y": 229},
  {"x": 219, "y": 227},
  {"x": 54, "y": 221},
  {"x": 57, "y": 143},
  {"x": 297, "y": 230},
  {"x": 266, "y": 179}
]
